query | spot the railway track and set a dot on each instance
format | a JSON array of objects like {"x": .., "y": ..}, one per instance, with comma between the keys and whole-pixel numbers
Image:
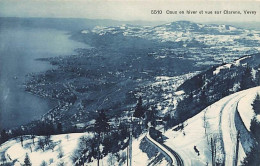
[{"x": 168, "y": 152}]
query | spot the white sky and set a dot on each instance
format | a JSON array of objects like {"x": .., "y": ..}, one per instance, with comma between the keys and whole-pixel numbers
[{"x": 126, "y": 10}]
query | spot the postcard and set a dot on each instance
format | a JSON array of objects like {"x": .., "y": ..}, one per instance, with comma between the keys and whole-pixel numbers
[{"x": 133, "y": 83}]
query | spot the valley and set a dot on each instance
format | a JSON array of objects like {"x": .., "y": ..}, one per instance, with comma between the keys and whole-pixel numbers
[{"x": 168, "y": 94}]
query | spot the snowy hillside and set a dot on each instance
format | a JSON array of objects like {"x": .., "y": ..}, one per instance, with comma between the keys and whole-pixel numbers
[
  {"x": 224, "y": 40},
  {"x": 61, "y": 151},
  {"x": 220, "y": 121}
]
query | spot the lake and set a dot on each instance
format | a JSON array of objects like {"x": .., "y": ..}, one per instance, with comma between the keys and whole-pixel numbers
[{"x": 19, "y": 47}]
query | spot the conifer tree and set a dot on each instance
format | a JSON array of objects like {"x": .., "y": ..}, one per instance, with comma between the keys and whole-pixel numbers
[
  {"x": 139, "y": 110},
  {"x": 247, "y": 79},
  {"x": 256, "y": 104},
  {"x": 59, "y": 128},
  {"x": 3, "y": 136},
  {"x": 27, "y": 161},
  {"x": 203, "y": 97},
  {"x": 101, "y": 124}
]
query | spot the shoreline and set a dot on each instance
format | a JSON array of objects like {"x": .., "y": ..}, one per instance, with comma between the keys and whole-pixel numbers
[{"x": 18, "y": 106}]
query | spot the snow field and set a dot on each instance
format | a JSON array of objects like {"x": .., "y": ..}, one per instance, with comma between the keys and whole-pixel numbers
[
  {"x": 219, "y": 119},
  {"x": 13, "y": 150},
  {"x": 68, "y": 143},
  {"x": 245, "y": 109}
]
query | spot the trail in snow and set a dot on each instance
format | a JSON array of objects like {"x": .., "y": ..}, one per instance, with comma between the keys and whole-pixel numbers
[
  {"x": 220, "y": 126},
  {"x": 228, "y": 129},
  {"x": 228, "y": 126}
]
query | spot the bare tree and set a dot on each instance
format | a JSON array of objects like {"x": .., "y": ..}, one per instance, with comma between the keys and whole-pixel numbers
[
  {"x": 3, "y": 159},
  {"x": 111, "y": 159},
  {"x": 217, "y": 156},
  {"x": 47, "y": 139},
  {"x": 205, "y": 125},
  {"x": 41, "y": 144},
  {"x": 44, "y": 163},
  {"x": 32, "y": 137},
  {"x": 60, "y": 152},
  {"x": 21, "y": 139},
  {"x": 213, "y": 150}
]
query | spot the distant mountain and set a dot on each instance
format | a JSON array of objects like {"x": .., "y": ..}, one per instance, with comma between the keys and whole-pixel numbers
[
  {"x": 205, "y": 43},
  {"x": 68, "y": 24},
  {"x": 186, "y": 32}
]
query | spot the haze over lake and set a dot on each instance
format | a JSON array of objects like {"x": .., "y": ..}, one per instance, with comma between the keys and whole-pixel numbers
[{"x": 19, "y": 47}]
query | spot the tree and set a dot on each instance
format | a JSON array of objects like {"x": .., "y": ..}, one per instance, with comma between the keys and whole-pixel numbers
[
  {"x": 200, "y": 81},
  {"x": 101, "y": 124},
  {"x": 50, "y": 130},
  {"x": 59, "y": 128},
  {"x": 255, "y": 125},
  {"x": 139, "y": 110},
  {"x": 203, "y": 98},
  {"x": 258, "y": 76},
  {"x": 3, "y": 159},
  {"x": 101, "y": 127},
  {"x": 252, "y": 158},
  {"x": 247, "y": 79},
  {"x": 47, "y": 140},
  {"x": 151, "y": 116},
  {"x": 21, "y": 139},
  {"x": 156, "y": 134},
  {"x": 44, "y": 163},
  {"x": 111, "y": 159},
  {"x": 256, "y": 104},
  {"x": 213, "y": 150},
  {"x": 4, "y": 136},
  {"x": 205, "y": 125},
  {"x": 32, "y": 137},
  {"x": 60, "y": 152},
  {"x": 61, "y": 164},
  {"x": 27, "y": 161},
  {"x": 41, "y": 144}
]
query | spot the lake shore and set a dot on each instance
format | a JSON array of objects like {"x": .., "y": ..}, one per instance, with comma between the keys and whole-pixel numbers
[{"x": 19, "y": 50}]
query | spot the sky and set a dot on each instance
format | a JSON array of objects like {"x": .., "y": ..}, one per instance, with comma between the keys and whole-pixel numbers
[{"x": 130, "y": 10}]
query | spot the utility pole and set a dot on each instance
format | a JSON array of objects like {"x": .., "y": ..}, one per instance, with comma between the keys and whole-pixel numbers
[
  {"x": 127, "y": 151},
  {"x": 98, "y": 152},
  {"x": 212, "y": 151},
  {"x": 130, "y": 145},
  {"x": 237, "y": 148},
  {"x": 98, "y": 156}
]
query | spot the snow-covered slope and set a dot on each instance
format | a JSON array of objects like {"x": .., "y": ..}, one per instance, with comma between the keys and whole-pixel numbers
[
  {"x": 14, "y": 152},
  {"x": 218, "y": 121},
  {"x": 65, "y": 143},
  {"x": 225, "y": 40}
]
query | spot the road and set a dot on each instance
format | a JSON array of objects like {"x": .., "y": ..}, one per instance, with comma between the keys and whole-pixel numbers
[
  {"x": 228, "y": 128},
  {"x": 168, "y": 152},
  {"x": 176, "y": 155}
]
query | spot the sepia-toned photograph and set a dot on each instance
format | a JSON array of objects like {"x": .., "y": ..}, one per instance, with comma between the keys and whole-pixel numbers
[{"x": 129, "y": 83}]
